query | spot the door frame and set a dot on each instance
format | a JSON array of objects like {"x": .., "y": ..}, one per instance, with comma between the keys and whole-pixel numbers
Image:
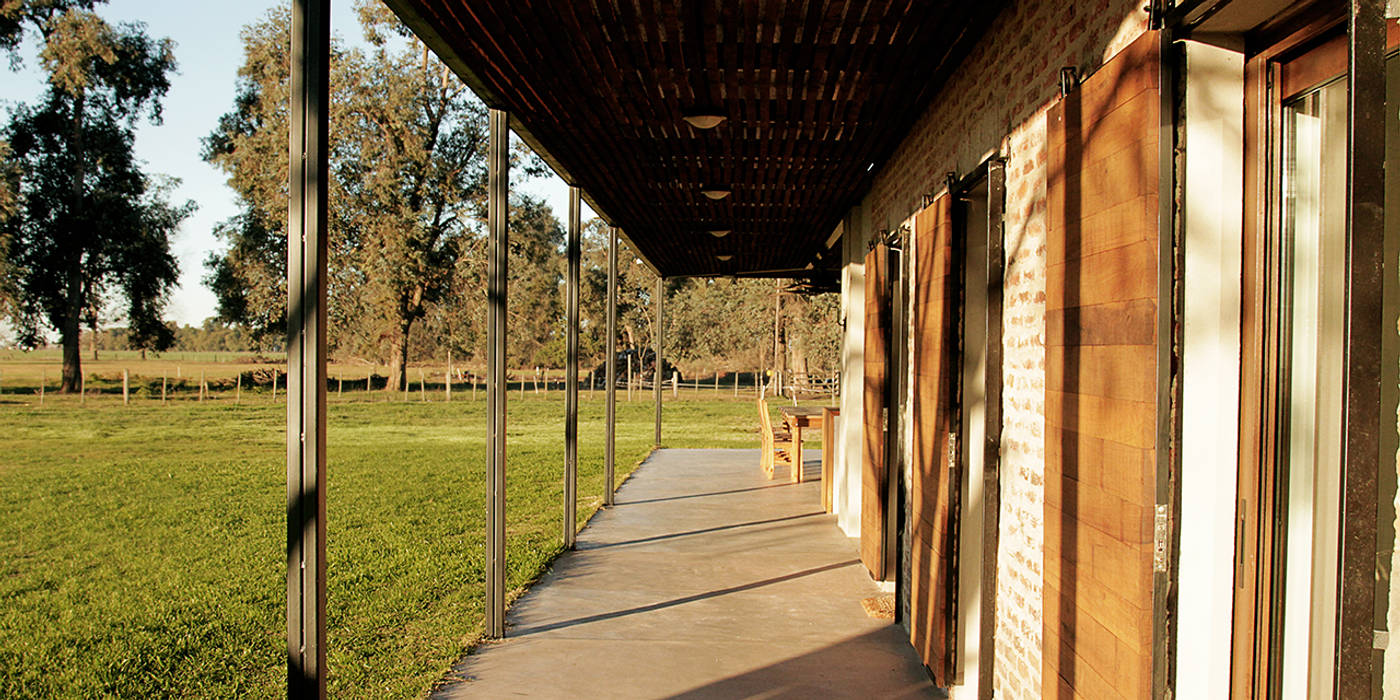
[
  {"x": 1329, "y": 43},
  {"x": 992, "y": 172}
]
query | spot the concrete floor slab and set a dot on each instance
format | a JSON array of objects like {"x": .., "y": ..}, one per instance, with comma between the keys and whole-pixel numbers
[{"x": 706, "y": 580}]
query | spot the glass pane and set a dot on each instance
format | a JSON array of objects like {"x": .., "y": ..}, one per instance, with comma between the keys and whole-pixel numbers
[{"x": 1315, "y": 237}]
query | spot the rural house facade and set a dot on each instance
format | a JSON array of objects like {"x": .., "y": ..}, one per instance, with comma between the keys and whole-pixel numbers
[{"x": 1119, "y": 390}]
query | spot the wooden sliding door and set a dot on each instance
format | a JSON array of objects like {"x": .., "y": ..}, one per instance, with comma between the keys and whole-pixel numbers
[{"x": 874, "y": 479}]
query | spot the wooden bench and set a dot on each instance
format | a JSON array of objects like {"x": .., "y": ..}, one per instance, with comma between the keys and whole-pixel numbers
[{"x": 776, "y": 445}]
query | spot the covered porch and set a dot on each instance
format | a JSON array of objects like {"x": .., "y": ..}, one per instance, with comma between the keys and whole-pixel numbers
[{"x": 705, "y": 580}]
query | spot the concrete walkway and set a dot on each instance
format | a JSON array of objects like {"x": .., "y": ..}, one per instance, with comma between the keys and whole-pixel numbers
[{"x": 705, "y": 581}]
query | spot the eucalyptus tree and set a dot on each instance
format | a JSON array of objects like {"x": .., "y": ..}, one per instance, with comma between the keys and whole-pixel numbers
[{"x": 87, "y": 221}]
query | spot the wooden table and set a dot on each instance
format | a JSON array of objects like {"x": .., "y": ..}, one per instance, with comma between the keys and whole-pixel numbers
[{"x": 796, "y": 418}]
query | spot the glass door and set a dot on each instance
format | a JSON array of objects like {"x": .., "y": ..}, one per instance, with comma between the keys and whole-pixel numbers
[{"x": 1313, "y": 241}]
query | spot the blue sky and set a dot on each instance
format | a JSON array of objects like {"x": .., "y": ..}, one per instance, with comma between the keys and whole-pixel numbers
[{"x": 209, "y": 52}]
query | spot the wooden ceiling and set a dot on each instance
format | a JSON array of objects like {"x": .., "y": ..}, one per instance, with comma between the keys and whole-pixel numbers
[{"x": 816, "y": 94}]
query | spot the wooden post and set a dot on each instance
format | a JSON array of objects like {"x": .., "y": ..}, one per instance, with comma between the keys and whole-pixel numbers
[
  {"x": 422, "y": 385},
  {"x": 472, "y": 378},
  {"x": 405, "y": 383},
  {"x": 202, "y": 385},
  {"x": 274, "y": 384},
  {"x": 82, "y": 387},
  {"x": 675, "y": 384},
  {"x": 163, "y": 381},
  {"x": 369, "y": 382},
  {"x": 238, "y": 389},
  {"x": 339, "y": 384},
  {"x": 447, "y": 384},
  {"x": 629, "y": 378},
  {"x": 126, "y": 387},
  {"x": 716, "y": 382},
  {"x": 537, "y": 380},
  {"x": 736, "y": 385}
]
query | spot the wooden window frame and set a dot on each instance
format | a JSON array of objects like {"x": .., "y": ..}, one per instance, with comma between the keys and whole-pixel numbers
[{"x": 1289, "y": 65}]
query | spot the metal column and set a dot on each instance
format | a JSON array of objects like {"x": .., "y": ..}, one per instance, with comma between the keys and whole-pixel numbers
[
  {"x": 306, "y": 351},
  {"x": 656, "y": 373},
  {"x": 610, "y": 372},
  {"x": 498, "y": 166},
  {"x": 1361, "y": 459},
  {"x": 571, "y": 382}
]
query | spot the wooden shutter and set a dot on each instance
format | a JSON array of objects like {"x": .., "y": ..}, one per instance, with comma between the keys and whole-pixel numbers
[
  {"x": 874, "y": 474},
  {"x": 1101, "y": 380},
  {"x": 934, "y": 487}
]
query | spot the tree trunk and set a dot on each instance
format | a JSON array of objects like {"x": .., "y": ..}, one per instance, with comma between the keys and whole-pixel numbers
[
  {"x": 398, "y": 364},
  {"x": 71, "y": 334}
]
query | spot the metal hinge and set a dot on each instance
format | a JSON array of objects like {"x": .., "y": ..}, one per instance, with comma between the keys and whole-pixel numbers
[{"x": 1161, "y": 530}]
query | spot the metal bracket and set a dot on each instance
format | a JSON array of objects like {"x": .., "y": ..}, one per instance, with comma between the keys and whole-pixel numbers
[
  {"x": 1156, "y": 14},
  {"x": 1161, "y": 531},
  {"x": 1069, "y": 80},
  {"x": 890, "y": 238}
]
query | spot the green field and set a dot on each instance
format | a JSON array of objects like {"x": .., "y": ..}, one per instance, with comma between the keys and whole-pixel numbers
[{"x": 142, "y": 552}]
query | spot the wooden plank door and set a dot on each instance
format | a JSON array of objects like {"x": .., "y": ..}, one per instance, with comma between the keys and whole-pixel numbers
[
  {"x": 1102, "y": 383},
  {"x": 874, "y": 473},
  {"x": 934, "y": 486}
]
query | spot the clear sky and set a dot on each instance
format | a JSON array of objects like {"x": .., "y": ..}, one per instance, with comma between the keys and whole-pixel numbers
[{"x": 209, "y": 52}]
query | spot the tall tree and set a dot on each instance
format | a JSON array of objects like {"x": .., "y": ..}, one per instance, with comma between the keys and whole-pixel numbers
[
  {"x": 408, "y": 175},
  {"x": 88, "y": 221},
  {"x": 413, "y": 149}
]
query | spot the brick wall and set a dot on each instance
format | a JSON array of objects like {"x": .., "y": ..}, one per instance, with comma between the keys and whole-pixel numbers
[{"x": 997, "y": 102}]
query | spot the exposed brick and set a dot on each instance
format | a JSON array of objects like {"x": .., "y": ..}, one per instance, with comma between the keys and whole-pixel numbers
[{"x": 997, "y": 102}]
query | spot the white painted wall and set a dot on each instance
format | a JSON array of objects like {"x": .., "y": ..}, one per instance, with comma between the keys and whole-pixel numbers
[
  {"x": 845, "y": 492},
  {"x": 1214, "y": 196}
]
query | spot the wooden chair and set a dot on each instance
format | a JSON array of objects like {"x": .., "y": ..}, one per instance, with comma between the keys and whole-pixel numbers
[{"x": 776, "y": 445}]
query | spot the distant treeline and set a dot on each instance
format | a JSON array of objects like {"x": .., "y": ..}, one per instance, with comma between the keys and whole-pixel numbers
[{"x": 211, "y": 336}]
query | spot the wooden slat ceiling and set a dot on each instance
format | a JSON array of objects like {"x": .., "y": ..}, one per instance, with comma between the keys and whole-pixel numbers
[{"x": 816, "y": 92}]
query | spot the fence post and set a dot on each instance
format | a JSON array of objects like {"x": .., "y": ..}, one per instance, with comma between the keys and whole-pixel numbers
[
  {"x": 369, "y": 381},
  {"x": 447, "y": 380},
  {"x": 472, "y": 378},
  {"x": 675, "y": 384},
  {"x": 339, "y": 384},
  {"x": 736, "y": 384},
  {"x": 238, "y": 389},
  {"x": 126, "y": 387},
  {"x": 202, "y": 386},
  {"x": 274, "y": 384},
  {"x": 422, "y": 385},
  {"x": 629, "y": 378},
  {"x": 163, "y": 379}
]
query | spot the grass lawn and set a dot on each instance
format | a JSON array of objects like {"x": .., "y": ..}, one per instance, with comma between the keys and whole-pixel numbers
[{"x": 142, "y": 547}]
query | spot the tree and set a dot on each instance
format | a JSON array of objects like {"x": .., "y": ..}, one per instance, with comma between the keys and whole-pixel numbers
[
  {"x": 88, "y": 221},
  {"x": 407, "y": 181}
]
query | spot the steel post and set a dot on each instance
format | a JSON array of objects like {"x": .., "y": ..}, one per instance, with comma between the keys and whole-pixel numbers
[
  {"x": 306, "y": 351},
  {"x": 571, "y": 380},
  {"x": 610, "y": 372},
  {"x": 656, "y": 372},
  {"x": 1361, "y": 460},
  {"x": 498, "y": 254}
]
